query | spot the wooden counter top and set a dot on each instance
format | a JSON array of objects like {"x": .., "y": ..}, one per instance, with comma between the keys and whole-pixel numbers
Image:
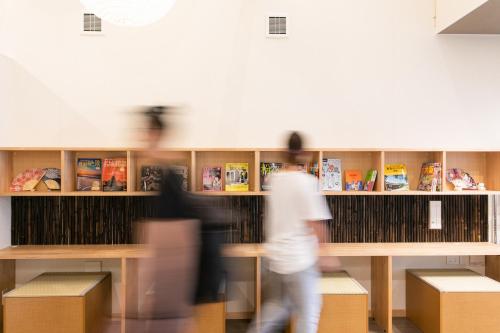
[{"x": 253, "y": 250}]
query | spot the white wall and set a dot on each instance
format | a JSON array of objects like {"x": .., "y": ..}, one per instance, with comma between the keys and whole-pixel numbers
[
  {"x": 450, "y": 11},
  {"x": 353, "y": 73},
  {"x": 5, "y": 222},
  {"x": 358, "y": 73}
]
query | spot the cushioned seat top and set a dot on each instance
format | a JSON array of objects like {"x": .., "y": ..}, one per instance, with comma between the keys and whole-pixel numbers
[
  {"x": 456, "y": 280},
  {"x": 340, "y": 283},
  {"x": 58, "y": 284}
]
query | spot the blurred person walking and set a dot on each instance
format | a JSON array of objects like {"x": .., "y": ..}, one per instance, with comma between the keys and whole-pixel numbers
[
  {"x": 185, "y": 237},
  {"x": 294, "y": 212}
]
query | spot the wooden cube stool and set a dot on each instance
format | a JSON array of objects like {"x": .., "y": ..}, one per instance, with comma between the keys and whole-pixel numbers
[
  {"x": 210, "y": 317},
  {"x": 345, "y": 305},
  {"x": 59, "y": 303},
  {"x": 452, "y": 301}
]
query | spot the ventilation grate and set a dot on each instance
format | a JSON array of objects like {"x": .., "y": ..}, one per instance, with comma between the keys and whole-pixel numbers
[
  {"x": 277, "y": 26},
  {"x": 91, "y": 23}
]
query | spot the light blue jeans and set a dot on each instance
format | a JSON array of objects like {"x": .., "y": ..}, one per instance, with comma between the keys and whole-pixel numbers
[{"x": 294, "y": 294}]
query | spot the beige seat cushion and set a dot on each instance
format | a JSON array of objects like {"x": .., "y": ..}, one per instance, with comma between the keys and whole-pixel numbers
[
  {"x": 456, "y": 280},
  {"x": 58, "y": 284},
  {"x": 340, "y": 283}
]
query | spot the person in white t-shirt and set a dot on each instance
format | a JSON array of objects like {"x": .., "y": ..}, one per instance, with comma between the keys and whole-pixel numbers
[{"x": 293, "y": 211}]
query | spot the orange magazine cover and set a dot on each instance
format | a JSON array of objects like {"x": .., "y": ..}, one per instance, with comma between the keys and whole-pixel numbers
[{"x": 114, "y": 174}]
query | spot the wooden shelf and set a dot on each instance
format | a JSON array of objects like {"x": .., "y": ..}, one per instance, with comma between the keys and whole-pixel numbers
[
  {"x": 359, "y": 160},
  {"x": 219, "y": 158},
  {"x": 481, "y": 164},
  {"x": 413, "y": 161},
  {"x": 227, "y": 193},
  {"x": 77, "y": 194},
  {"x": 252, "y": 250}
]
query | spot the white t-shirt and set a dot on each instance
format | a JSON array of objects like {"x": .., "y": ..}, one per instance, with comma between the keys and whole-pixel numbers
[{"x": 291, "y": 245}]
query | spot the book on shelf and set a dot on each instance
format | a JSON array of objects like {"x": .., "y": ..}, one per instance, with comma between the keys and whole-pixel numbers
[
  {"x": 266, "y": 170},
  {"x": 212, "y": 179},
  {"x": 88, "y": 174},
  {"x": 396, "y": 177},
  {"x": 332, "y": 175},
  {"x": 52, "y": 179},
  {"x": 314, "y": 169},
  {"x": 114, "y": 174},
  {"x": 353, "y": 180},
  {"x": 236, "y": 177},
  {"x": 430, "y": 177},
  {"x": 151, "y": 178},
  {"x": 371, "y": 177},
  {"x": 27, "y": 180},
  {"x": 182, "y": 171}
]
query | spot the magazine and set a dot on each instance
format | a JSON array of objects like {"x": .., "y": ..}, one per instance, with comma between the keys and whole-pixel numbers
[
  {"x": 114, "y": 174},
  {"x": 266, "y": 170},
  {"x": 151, "y": 178},
  {"x": 236, "y": 177},
  {"x": 353, "y": 180},
  {"x": 430, "y": 177},
  {"x": 212, "y": 179},
  {"x": 332, "y": 175},
  {"x": 396, "y": 177},
  {"x": 371, "y": 177},
  {"x": 88, "y": 174},
  {"x": 182, "y": 171}
]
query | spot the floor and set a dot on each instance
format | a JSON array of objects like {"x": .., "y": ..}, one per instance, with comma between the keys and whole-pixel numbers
[{"x": 400, "y": 325}]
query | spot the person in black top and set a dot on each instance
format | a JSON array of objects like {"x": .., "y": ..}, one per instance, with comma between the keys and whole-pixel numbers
[{"x": 170, "y": 287}]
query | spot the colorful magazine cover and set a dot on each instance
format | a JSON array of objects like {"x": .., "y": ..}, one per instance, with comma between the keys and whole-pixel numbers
[
  {"x": 114, "y": 174},
  {"x": 371, "y": 177},
  {"x": 212, "y": 179},
  {"x": 27, "y": 180},
  {"x": 332, "y": 175},
  {"x": 88, "y": 174},
  {"x": 461, "y": 180},
  {"x": 266, "y": 170},
  {"x": 353, "y": 180},
  {"x": 151, "y": 178},
  {"x": 396, "y": 177},
  {"x": 182, "y": 171},
  {"x": 52, "y": 179},
  {"x": 236, "y": 177},
  {"x": 430, "y": 177}
]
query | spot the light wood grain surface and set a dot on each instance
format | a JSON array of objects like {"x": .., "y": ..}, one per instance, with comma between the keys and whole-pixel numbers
[
  {"x": 381, "y": 288},
  {"x": 252, "y": 250}
]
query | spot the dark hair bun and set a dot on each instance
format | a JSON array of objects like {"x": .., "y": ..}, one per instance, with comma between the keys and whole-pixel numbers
[
  {"x": 295, "y": 143},
  {"x": 155, "y": 111},
  {"x": 155, "y": 115}
]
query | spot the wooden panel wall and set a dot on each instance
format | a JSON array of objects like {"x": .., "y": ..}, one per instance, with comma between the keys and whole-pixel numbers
[
  {"x": 368, "y": 219},
  {"x": 7, "y": 281}
]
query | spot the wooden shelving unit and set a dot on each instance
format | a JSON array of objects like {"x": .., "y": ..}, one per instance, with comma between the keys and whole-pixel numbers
[{"x": 482, "y": 165}]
